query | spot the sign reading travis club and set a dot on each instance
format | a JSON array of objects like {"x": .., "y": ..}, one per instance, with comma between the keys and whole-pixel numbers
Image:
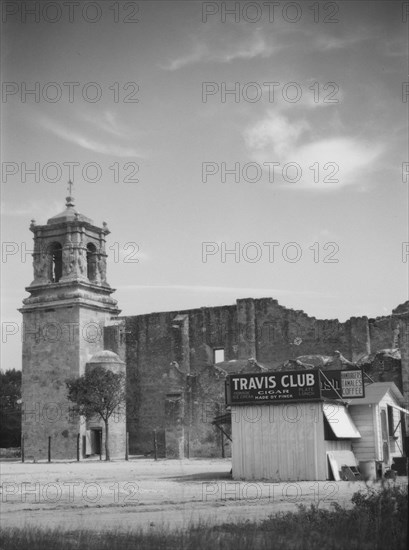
[
  {"x": 348, "y": 384},
  {"x": 245, "y": 389}
]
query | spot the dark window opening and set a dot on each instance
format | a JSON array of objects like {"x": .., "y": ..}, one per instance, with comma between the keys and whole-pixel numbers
[
  {"x": 218, "y": 355},
  {"x": 404, "y": 439},
  {"x": 384, "y": 426},
  {"x": 91, "y": 262},
  {"x": 55, "y": 252},
  {"x": 328, "y": 433},
  {"x": 390, "y": 421}
]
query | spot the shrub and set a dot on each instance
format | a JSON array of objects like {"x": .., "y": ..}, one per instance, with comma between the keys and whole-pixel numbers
[{"x": 377, "y": 521}]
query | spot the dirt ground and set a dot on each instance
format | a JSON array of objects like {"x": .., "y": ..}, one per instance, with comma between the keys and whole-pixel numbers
[{"x": 144, "y": 493}]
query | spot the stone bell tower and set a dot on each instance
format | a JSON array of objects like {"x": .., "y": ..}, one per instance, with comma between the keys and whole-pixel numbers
[{"x": 63, "y": 318}]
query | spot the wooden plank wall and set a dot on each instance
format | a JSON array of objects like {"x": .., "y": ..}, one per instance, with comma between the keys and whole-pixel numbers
[
  {"x": 279, "y": 442},
  {"x": 363, "y": 417},
  {"x": 368, "y": 421}
]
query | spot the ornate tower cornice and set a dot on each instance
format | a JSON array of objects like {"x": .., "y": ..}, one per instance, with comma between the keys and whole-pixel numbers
[{"x": 69, "y": 263}]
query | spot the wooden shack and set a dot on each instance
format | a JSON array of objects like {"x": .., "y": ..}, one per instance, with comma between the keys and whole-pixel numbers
[
  {"x": 379, "y": 417},
  {"x": 283, "y": 429},
  {"x": 290, "y": 442}
]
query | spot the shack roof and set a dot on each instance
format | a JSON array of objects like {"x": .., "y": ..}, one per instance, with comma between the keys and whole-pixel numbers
[{"x": 375, "y": 392}]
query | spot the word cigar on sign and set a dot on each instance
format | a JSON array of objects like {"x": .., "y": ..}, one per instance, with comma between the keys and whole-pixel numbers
[{"x": 243, "y": 389}]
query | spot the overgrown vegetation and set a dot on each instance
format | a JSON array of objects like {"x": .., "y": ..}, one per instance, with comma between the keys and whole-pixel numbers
[
  {"x": 10, "y": 408},
  {"x": 11, "y": 453},
  {"x": 377, "y": 521}
]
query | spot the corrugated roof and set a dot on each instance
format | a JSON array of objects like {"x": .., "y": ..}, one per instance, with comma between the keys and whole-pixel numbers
[{"x": 374, "y": 393}]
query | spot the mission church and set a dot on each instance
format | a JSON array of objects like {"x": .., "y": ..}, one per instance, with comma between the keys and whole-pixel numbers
[{"x": 176, "y": 362}]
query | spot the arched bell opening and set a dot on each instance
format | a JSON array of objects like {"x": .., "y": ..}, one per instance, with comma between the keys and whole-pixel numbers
[
  {"x": 91, "y": 262},
  {"x": 55, "y": 265}
]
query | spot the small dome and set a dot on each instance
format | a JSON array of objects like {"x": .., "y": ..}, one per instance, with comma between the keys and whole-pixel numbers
[
  {"x": 70, "y": 214},
  {"x": 105, "y": 356}
]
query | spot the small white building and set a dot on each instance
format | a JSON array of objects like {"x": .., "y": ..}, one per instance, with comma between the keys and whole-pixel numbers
[
  {"x": 291, "y": 442},
  {"x": 379, "y": 417},
  {"x": 317, "y": 439}
]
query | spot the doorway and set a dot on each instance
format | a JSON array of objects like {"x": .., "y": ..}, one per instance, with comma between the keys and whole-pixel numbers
[{"x": 96, "y": 441}]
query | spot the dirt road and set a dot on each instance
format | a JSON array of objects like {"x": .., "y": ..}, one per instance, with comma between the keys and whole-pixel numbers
[{"x": 148, "y": 494}]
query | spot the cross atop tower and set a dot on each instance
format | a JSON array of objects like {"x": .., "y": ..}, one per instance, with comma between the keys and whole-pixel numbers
[{"x": 70, "y": 198}]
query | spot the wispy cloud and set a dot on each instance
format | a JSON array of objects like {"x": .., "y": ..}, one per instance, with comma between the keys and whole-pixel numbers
[
  {"x": 330, "y": 42},
  {"x": 87, "y": 139},
  {"x": 108, "y": 123},
  {"x": 224, "y": 48},
  {"x": 198, "y": 53},
  {"x": 342, "y": 161},
  {"x": 274, "y": 134},
  {"x": 326, "y": 164},
  {"x": 241, "y": 41}
]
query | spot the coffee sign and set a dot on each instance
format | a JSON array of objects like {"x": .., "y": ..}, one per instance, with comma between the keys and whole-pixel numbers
[
  {"x": 273, "y": 387},
  {"x": 345, "y": 384}
]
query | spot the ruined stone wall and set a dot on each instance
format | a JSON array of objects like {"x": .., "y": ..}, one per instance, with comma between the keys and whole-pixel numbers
[
  {"x": 153, "y": 342},
  {"x": 149, "y": 350},
  {"x": 283, "y": 334},
  {"x": 381, "y": 332},
  {"x": 385, "y": 368}
]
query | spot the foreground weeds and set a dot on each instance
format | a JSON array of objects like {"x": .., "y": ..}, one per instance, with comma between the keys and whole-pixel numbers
[{"x": 377, "y": 521}]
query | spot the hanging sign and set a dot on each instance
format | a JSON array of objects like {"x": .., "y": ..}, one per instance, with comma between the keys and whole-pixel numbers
[
  {"x": 305, "y": 385},
  {"x": 272, "y": 387},
  {"x": 345, "y": 384}
]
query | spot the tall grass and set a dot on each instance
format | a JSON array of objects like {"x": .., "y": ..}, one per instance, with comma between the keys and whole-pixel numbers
[{"x": 377, "y": 521}]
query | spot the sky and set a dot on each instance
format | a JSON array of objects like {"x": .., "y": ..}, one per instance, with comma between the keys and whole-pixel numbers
[{"x": 235, "y": 149}]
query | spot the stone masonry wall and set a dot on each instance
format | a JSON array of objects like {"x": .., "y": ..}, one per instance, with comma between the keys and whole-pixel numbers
[
  {"x": 50, "y": 354},
  {"x": 57, "y": 344},
  {"x": 153, "y": 342}
]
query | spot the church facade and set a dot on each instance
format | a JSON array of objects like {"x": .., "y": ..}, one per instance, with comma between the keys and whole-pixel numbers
[{"x": 176, "y": 362}]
